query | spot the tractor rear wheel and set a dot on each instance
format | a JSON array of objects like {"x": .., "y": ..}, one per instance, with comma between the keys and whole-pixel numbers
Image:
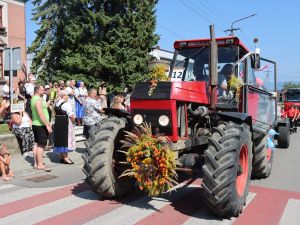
[
  {"x": 102, "y": 160},
  {"x": 284, "y": 136},
  {"x": 227, "y": 169},
  {"x": 262, "y": 158}
]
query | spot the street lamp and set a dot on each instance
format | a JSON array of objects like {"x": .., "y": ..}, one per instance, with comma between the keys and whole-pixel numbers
[{"x": 233, "y": 29}]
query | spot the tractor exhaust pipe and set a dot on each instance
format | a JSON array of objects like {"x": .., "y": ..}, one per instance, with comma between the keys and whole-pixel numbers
[{"x": 213, "y": 72}]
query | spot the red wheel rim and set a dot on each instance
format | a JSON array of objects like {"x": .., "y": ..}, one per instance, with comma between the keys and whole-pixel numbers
[
  {"x": 241, "y": 180},
  {"x": 269, "y": 153}
]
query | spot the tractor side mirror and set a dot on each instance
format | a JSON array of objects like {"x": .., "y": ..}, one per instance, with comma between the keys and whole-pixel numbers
[{"x": 255, "y": 61}]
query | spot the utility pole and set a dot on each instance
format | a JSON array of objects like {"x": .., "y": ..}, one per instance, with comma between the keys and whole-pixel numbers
[{"x": 232, "y": 29}]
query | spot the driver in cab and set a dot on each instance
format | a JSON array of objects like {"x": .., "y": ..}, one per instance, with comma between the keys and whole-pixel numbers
[{"x": 223, "y": 78}]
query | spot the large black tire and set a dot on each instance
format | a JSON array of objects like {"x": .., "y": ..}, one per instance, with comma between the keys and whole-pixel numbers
[
  {"x": 101, "y": 159},
  {"x": 262, "y": 158},
  {"x": 227, "y": 169},
  {"x": 283, "y": 139}
]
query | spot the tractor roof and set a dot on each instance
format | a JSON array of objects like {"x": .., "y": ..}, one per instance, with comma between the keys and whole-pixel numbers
[{"x": 222, "y": 41}]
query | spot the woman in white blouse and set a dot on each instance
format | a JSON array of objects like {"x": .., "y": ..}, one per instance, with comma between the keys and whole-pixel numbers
[
  {"x": 64, "y": 134},
  {"x": 21, "y": 128}
]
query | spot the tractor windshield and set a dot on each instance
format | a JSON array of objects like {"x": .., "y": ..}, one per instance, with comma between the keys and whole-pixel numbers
[
  {"x": 293, "y": 96},
  {"x": 192, "y": 64}
]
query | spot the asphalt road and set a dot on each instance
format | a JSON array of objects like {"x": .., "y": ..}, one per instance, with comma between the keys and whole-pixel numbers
[
  {"x": 62, "y": 197},
  {"x": 286, "y": 168}
]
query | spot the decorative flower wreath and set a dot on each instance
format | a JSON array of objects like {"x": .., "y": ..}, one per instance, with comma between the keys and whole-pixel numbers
[
  {"x": 236, "y": 83},
  {"x": 152, "y": 161}
]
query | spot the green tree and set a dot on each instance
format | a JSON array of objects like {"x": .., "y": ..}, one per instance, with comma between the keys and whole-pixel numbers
[
  {"x": 50, "y": 15},
  {"x": 105, "y": 40},
  {"x": 290, "y": 84}
]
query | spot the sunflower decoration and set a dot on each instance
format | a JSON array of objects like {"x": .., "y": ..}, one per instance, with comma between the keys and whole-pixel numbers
[
  {"x": 157, "y": 74},
  {"x": 152, "y": 161},
  {"x": 236, "y": 83}
]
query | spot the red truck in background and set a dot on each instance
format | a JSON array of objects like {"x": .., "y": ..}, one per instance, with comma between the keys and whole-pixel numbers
[
  {"x": 291, "y": 96},
  {"x": 291, "y": 107}
]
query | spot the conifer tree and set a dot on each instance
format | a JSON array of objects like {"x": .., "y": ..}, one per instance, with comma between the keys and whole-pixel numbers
[{"x": 105, "y": 40}]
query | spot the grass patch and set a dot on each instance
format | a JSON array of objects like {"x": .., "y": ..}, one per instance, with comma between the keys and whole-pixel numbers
[{"x": 4, "y": 129}]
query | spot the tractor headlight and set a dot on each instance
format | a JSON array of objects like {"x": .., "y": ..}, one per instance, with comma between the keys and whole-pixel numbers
[
  {"x": 138, "y": 119},
  {"x": 163, "y": 120}
]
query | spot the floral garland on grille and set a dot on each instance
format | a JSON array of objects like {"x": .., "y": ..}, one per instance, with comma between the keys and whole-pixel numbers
[{"x": 152, "y": 161}]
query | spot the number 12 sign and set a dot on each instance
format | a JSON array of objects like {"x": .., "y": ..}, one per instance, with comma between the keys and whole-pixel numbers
[{"x": 177, "y": 74}]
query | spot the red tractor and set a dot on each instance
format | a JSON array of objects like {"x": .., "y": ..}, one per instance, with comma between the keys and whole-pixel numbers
[{"x": 197, "y": 111}]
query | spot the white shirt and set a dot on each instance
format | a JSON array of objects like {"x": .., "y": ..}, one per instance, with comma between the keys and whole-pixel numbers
[
  {"x": 25, "y": 122},
  {"x": 67, "y": 107},
  {"x": 5, "y": 90},
  {"x": 69, "y": 91},
  {"x": 80, "y": 92},
  {"x": 45, "y": 97},
  {"x": 29, "y": 88}
]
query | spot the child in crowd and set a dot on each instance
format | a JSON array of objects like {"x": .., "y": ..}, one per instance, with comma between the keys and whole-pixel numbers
[{"x": 4, "y": 164}]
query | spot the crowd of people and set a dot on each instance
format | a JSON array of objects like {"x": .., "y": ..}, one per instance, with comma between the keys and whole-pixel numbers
[{"x": 50, "y": 115}]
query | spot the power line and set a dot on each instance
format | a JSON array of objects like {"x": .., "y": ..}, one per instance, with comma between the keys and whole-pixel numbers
[
  {"x": 183, "y": 26},
  {"x": 218, "y": 11},
  {"x": 200, "y": 15},
  {"x": 212, "y": 13},
  {"x": 170, "y": 31},
  {"x": 246, "y": 39}
]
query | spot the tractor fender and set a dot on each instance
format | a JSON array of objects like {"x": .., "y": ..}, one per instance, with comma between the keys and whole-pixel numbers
[
  {"x": 237, "y": 117},
  {"x": 120, "y": 113},
  {"x": 282, "y": 122}
]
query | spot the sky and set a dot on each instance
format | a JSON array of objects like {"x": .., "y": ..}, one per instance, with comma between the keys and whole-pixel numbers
[{"x": 276, "y": 26}]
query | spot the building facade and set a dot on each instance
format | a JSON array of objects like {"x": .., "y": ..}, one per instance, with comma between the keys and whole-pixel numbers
[{"x": 13, "y": 33}]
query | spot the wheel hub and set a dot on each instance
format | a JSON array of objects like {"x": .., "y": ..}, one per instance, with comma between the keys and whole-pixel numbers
[
  {"x": 269, "y": 153},
  {"x": 242, "y": 172}
]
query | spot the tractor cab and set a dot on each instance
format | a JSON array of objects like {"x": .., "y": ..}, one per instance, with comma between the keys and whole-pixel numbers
[
  {"x": 236, "y": 66},
  {"x": 191, "y": 58}
]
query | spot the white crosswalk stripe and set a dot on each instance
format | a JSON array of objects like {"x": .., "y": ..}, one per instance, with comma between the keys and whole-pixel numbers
[
  {"x": 21, "y": 193},
  {"x": 139, "y": 209},
  {"x": 47, "y": 211},
  {"x": 291, "y": 214}
]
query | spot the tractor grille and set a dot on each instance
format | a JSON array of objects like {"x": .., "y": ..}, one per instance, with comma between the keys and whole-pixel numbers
[
  {"x": 152, "y": 116},
  {"x": 162, "y": 91}
]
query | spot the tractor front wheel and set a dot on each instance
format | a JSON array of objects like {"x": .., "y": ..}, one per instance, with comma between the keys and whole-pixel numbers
[
  {"x": 227, "y": 169},
  {"x": 103, "y": 163}
]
